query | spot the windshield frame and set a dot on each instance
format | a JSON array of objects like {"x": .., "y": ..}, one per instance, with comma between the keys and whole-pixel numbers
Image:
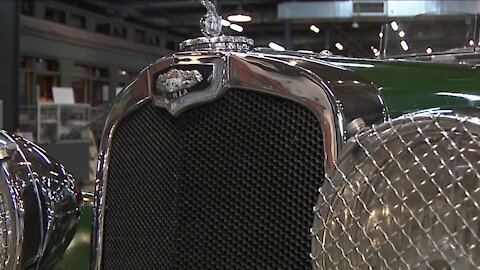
[{"x": 386, "y": 31}]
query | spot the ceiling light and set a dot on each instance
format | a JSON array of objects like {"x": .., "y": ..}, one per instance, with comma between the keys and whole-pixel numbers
[
  {"x": 355, "y": 25},
  {"x": 401, "y": 33},
  {"x": 394, "y": 25},
  {"x": 339, "y": 46},
  {"x": 380, "y": 35},
  {"x": 276, "y": 47},
  {"x": 471, "y": 42},
  {"x": 240, "y": 18},
  {"x": 314, "y": 28},
  {"x": 236, "y": 27},
  {"x": 429, "y": 50},
  {"x": 225, "y": 23},
  {"x": 404, "y": 45},
  {"x": 377, "y": 54}
]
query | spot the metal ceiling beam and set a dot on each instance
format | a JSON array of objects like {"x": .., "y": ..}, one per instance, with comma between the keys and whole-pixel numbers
[
  {"x": 373, "y": 9},
  {"x": 188, "y": 4}
]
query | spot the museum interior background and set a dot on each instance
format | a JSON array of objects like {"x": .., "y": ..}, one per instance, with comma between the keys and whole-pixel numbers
[{"x": 65, "y": 61}]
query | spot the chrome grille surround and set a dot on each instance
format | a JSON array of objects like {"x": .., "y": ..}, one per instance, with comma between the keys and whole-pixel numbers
[
  {"x": 255, "y": 72},
  {"x": 404, "y": 195}
]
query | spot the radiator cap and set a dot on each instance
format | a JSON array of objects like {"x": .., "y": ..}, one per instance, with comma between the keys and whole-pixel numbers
[{"x": 211, "y": 26}]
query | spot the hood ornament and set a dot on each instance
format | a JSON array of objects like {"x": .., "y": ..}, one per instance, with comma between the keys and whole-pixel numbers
[
  {"x": 211, "y": 23},
  {"x": 213, "y": 40}
]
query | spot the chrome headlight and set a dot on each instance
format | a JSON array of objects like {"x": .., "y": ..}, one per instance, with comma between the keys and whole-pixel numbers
[
  {"x": 404, "y": 195},
  {"x": 39, "y": 206}
]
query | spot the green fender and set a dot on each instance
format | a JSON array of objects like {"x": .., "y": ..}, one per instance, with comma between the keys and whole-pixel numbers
[
  {"x": 77, "y": 255},
  {"x": 409, "y": 86}
]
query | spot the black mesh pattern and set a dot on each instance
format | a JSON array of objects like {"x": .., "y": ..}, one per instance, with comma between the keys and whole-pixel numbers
[{"x": 227, "y": 185}]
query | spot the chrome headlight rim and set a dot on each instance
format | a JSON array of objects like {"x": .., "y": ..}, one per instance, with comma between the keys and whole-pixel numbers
[
  {"x": 11, "y": 206},
  {"x": 340, "y": 195}
]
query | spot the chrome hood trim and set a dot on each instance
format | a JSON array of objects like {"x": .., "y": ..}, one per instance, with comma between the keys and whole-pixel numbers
[{"x": 253, "y": 71}]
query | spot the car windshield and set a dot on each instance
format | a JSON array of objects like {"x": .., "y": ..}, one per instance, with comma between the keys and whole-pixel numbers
[{"x": 430, "y": 35}]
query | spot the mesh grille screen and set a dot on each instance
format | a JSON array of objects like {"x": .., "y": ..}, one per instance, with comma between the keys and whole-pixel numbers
[{"x": 228, "y": 185}]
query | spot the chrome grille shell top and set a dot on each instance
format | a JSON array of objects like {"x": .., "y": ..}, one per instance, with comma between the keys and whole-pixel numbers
[{"x": 258, "y": 72}]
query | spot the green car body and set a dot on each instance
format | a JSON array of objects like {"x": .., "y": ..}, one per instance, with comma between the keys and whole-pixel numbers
[
  {"x": 406, "y": 86},
  {"x": 409, "y": 86},
  {"x": 77, "y": 255}
]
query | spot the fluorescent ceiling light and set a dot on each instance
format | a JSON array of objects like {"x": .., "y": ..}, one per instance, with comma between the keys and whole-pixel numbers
[
  {"x": 429, "y": 50},
  {"x": 471, "y": 42},
  {"x": 225, "y": 23},
  {"x": 380, "y": 35},
  {"x": 401, "y": 33},
  {"x": 314, "y": 28},
  {"x": 339, "y": 46},
  {"x": 236, "y": 27},
  {"x": 394, "y": 25},
  {"x": 404, "y": 45},
  {"x": 241, "y": 18},
  {"x": 276, "y": 47}
]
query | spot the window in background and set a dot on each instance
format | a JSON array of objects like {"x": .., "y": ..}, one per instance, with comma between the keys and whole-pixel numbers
[
  {"x": 119, "y": 31},
  {"x": 139, "y": 36},
  {"x": 26, "y": 80},
  {"x": 27, "y": 7},
  {"x": 171, "y": 45},
  {"x": 54, "y": 15},
  {"x": 47, "y": 76},
  {"x": 37, "y": 77},
  {"x": 154, "y": 41},
  {"x": 77, "y": 21},
  {"x": 90, "y": 84},
  {"x": 103, "y": 28}
]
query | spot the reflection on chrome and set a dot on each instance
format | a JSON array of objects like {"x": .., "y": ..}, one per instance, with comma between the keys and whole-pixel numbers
[
  {"x": 469, "y": 97},
  {"x": 354, "y": 65}
]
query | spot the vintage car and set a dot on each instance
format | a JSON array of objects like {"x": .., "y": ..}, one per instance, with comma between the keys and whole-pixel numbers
[{"x": 225, "y": 156}]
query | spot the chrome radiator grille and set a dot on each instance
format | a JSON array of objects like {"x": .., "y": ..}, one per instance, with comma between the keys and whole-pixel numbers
[
  {"x": 227, "y": 185},
  {"x": 404, "y": 195}
]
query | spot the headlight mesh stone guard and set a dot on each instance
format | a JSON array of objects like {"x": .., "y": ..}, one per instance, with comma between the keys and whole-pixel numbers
[{"x": 403, "y": 195}]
